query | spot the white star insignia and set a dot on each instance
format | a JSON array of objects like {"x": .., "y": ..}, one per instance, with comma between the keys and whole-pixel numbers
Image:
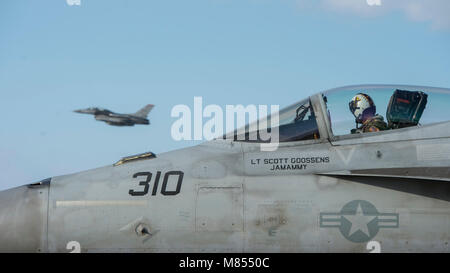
[{"x": 359, "y": 221}]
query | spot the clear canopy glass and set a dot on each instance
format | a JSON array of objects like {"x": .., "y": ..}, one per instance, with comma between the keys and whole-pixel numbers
[{"x": 296, "y": 122}]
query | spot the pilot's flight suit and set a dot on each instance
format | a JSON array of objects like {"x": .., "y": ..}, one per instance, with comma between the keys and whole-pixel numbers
[{"x": 373, "y": 124}]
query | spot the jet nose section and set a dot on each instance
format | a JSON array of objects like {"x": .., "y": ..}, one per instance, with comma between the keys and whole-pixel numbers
[
  {"x": 23, "y": 218},
  {"x": 86, "y": 111}
]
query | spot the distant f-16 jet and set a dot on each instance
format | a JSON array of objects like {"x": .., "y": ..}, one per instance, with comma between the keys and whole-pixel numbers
[{"x": 140, "y": 117}]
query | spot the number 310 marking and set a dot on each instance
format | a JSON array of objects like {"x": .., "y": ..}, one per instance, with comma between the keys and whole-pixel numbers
[{"x": 164, "y": 191}]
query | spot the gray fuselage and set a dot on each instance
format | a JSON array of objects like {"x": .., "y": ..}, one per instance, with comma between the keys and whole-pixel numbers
[{"x": 331, "y": 194}]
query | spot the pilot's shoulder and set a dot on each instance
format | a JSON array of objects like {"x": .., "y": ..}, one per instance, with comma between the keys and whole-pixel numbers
[{"x": 378, "y": 121}]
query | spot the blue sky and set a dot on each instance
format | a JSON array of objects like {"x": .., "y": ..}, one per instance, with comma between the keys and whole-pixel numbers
[{"x": 121, "y": 55}]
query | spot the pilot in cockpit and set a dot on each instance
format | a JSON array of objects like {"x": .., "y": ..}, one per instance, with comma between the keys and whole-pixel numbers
[{"x": 364, "y": 110}]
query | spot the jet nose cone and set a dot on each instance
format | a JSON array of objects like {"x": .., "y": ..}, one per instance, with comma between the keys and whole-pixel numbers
[
  {"x": 91, "y": 111},
  {"x": 23, "y": 218}
]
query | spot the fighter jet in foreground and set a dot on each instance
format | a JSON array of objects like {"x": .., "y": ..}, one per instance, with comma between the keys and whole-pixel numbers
[
  {"x": 325, "y": 189},
  {"x": 140, "y": 117}
]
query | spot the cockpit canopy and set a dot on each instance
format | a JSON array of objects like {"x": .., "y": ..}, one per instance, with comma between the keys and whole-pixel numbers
[{"x": 397, "y": 107}]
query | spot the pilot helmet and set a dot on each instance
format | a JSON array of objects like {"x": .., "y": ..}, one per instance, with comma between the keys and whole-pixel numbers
[{"x": 362, "y": 106}]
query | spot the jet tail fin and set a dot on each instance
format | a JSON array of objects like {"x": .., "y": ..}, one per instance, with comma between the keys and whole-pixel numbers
[{"x": 144, "y": 111}]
